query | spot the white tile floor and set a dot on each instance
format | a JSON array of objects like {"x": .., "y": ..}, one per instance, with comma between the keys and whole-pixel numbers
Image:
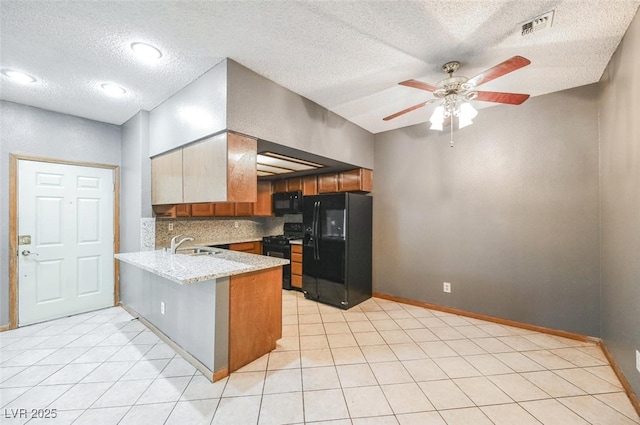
[{"x": 378, "y": 363}]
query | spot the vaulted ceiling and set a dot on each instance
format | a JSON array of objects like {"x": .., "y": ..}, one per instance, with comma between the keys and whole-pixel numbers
[{"x": 347, "y": 56}]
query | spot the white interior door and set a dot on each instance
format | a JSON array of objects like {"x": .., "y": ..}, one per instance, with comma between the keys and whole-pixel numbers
[{"x": 67, "y": 266}]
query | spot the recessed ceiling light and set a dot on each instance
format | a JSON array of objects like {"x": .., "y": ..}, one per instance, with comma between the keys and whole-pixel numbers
[
  {"x": 113, "y": 89},
  {"x": 19, "y": 77},
  {"x": 146, "y": 52}
]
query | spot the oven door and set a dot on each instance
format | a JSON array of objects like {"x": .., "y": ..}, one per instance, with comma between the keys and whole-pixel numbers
[{"x": 280, "y": 251}]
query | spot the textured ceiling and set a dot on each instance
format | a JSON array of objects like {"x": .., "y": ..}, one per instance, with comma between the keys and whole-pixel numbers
[{"x": 348, "y": 56}]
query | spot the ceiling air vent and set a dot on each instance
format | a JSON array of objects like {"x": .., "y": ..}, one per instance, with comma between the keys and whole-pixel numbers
[{"x": 538, "y": 23}]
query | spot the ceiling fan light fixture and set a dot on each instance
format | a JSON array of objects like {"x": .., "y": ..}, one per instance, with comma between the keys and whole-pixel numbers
[
  {"x": 146, "y": 52},
  {"x": 437, "y": 119},
  {"x": 467, "y": 111},
  {"x": 19, "y": 76}
]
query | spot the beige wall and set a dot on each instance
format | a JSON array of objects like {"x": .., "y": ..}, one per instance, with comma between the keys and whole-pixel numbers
[
  {"x": 508, "y": 216},
  {"x": 619, "y": 110}
]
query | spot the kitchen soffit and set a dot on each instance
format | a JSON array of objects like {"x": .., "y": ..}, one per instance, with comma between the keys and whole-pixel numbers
[{"x": 345, "y": 56}]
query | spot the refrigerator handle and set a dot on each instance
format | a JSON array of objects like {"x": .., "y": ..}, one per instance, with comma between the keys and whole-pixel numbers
[{"x": 316, "y": 222}]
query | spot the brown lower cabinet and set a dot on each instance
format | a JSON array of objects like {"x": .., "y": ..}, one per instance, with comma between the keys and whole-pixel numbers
[
  {"x": 249, "y": 247},
  {"x": 296, "y": 266},
  {"x": 255, "y": 315}
]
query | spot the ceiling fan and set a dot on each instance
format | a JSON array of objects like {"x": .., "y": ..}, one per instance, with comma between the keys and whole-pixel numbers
[{"x": 455, "y": 92}]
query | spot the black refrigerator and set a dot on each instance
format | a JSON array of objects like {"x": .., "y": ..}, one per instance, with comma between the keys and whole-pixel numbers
[{"x": 336, "y": 256}]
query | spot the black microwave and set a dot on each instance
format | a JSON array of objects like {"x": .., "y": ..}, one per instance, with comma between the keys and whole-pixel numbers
[{"x": 287, "y": 203}]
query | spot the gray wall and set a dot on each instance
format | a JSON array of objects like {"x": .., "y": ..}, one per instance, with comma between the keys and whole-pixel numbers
[
  {"x": 135, "y": 180},
  {"x": 509, "y": 216},
  {"x": 31, "y": 131},
  {"x": 620, "y": 203},
  {"x": 135, "y": 196},
  {"x": 261, "y": 108},
  {"x": 189, "y": 309},
  {"x": 195, "y": 111}
]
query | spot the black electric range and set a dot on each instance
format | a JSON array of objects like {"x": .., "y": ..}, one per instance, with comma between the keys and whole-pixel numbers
[{"x": 280, "y": 246}]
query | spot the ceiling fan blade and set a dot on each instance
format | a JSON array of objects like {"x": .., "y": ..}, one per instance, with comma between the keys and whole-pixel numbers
[
  {"x": 497, "y": 97},
  {"x": 499, "y": 70},
  {"x": 409, "y": 109},
  {"x": 418, "y": 85}
]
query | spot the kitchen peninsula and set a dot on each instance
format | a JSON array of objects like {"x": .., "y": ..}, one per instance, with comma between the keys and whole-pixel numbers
[{"x": 221, "y": 309}]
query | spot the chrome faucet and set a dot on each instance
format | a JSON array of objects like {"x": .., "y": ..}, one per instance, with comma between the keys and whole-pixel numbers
[{"x": 175, "y": 245}]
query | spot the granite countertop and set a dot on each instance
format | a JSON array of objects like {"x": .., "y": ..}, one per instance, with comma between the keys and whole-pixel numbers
[{"x": 185, "y": 269}]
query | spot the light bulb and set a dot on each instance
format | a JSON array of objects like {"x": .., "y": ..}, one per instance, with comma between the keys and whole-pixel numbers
[
  {"x": 466, "y": 114},
  {"x": 437, "y": 119}
]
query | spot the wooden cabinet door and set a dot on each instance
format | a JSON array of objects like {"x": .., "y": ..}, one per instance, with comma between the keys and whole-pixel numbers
[
  {"x": 296, "y": 266},
  {"x": 309, "y": 185},
  {"x": 205, "y": 170},
  {"x": 244, "y": 209},
  {"x": 166, "y": 178},
  {"x": 250, "y": 247},
  {"x": 262, "y": 207},
  {"x": 242, "y": 174},
  {"x": 202, "y": 210},
  {"x": 183, "y": 210},
  {"x": 327, "y": 183},
  {"x": 358, "y": 180},
  {"x": 224, "y": 209},
  {"x": 255, "y": 315},
  {"x": 221, "y": 168},
  {"x": 280, "y": 186},
  {"x": 294, "y": 184},
  {"x": 164, "y": 211}
]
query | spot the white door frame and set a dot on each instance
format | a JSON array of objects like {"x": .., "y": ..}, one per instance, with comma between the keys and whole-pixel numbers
[{"x": 13, "y": 226}]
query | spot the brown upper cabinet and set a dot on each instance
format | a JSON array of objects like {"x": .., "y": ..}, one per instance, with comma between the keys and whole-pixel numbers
[
  {"x": 224, "y": 209},
  {"x": 262, "y": 207},
  {"x": 280, "y": 186},
  {"x": 309, "y": 185},
  {"x": 201, "y": 210},
  {"x": 221, "y": 168},
  {"x": 358, "y": 180},
  {"x": 327, "y": 183},
  {"x": 294, "y": 184},
  {"x": 244, "y": 209}
]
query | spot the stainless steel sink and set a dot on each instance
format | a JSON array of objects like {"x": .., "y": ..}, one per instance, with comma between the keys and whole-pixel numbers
[{"x": 199, "y": 251}]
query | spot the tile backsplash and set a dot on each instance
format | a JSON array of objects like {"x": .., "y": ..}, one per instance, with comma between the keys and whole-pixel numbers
[{"x": 220, "y": 230}]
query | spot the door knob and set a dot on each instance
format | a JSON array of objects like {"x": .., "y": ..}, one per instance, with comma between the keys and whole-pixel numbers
[{"x": 27, "y": 253}]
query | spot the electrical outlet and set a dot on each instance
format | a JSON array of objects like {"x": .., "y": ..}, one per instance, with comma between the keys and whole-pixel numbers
[
  {"x": 638, "y": 360},
  {"x": 162, "y": 307},
  {"x": 170, "y": 227},
  {"x": 236, "y": 224},
  {"x": 446, "y": 287}
]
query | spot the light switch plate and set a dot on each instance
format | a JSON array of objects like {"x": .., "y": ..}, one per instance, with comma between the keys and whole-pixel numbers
[{"x": 638, "y": 360}]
